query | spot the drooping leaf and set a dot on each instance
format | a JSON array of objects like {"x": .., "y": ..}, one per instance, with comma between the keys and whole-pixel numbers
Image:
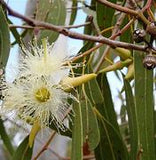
[
  {"x": 111, "y": 144},
  {"x": 104, "y": 16},
  {"x": 77, "y": 134},
  {"x": 6, "y": 139},
  {"x": 132, "y": 120},
  {"x": 127, "y": 35},
  {"x": 73, "y": 12},
  {"x": 15, "y": 33},
  {"x": 144, "y": 107},
  {"x": 52, "y": 12},
  {"x": 23, "y": 152},
  {"x": 91, "y": 132},
  {"x": 107, "y": 96},
  {"x": 4, "y": 39}
]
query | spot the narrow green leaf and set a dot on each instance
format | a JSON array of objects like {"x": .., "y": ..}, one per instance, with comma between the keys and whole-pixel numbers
[
  {"x": 52, "y": 12},
  {"x": 5, "y": 138},
  {"x": 127, "y": 35},
  {"x": 4, "y": 39},
  {"x": 74, "y": 11},
  {"x": 104, "y": 16},
  {"x": 111, "y": 145},
  {"x": 108, "y": 102},
  {"x": 90, "y": 125},
  {"x": 145, "y": 107},
  {"x": 77, "y": 134},
  {"x": 15, "y": 33},
  {"x": 132, "y": 120},
  {"x": 155, "y": 129},
  {"x": 19, "y": 37},
  {"x": 23, "y": 152}
]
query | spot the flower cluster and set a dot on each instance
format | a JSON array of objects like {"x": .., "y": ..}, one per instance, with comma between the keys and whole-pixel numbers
[{"x": 36, "y": 93}]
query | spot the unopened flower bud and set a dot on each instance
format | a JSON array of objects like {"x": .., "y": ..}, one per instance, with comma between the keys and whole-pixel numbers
[
  {"x": 116, "y": 66},
  {"x": 123, "y": 53},
  {"x": 68, "y": 83},
  {"x": 151, "y": 29},
  {"x": 149, "y": 62},
  {"x": 139, "y": 35},
  {"x": 130, "y": 72}
]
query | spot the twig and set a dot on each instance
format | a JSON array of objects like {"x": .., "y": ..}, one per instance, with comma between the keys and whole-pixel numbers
[
  {"x": 138, "y": 13},
  {"x": 77, "y": 26},
  {"x": 23, "y": 27},
  {"x": 118, "y": 7},
  {"x": 87, "y": 52},
  {"x": 72, "y": 34},
  {"x": 65, "y": 158},
  {"x": 45, "y": 146},
  {"x": 147, "y": 6},
  {"x": 31, "y": 27}
]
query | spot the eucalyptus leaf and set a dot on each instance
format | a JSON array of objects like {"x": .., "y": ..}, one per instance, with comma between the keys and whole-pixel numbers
[
  {"x": 111, "y": 144},
  {"x": 104, "y": 16},
  {"x": 74, "y": 11},
  {"x": 91, "y": 132},
  {"x": 144, "y": 107},
  {"x": 132, "y": 120},
  {"x": 53, "y": 12},
  {"x": 6, "y": 139},
  {"x": 4, "y": 39},
  {"x": 77, "y": 134},
  {"x": 23, "y": 152}
]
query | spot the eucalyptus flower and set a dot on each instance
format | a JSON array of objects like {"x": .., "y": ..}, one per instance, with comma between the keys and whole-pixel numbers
[
  {"x": 39, "y": 92},
  {"x": 36, "y": 99},
  {"x": 45, "y": 60},
  {"x": 36, "y": 94}
]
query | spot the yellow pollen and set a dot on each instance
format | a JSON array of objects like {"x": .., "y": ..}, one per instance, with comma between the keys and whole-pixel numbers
[{"x": 42, "y": 95}]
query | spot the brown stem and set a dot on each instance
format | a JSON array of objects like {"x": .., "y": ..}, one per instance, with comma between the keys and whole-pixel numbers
[
  {"x": 118, "y": 7},
  {"x": 147, "y": 6},
  {"x": 72, "y": 34},
  {"x": 45, "y": 146},
  {"x": 138, "y": 13},
  {"x": 30, "y": 27},
  {"x": 87, "y": 52},
  {"x": 23, "y": 27}
]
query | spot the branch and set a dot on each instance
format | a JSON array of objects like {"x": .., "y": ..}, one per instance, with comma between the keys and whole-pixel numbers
[
  {"x": 147, "y": 6},
  {"x": 71, "y": 34},
  {"x": 138, "y": 13},
  {"x": 45, "y": 146},
  {"x": 31, "y": 27},
  {"x": 118, "y": 7}
]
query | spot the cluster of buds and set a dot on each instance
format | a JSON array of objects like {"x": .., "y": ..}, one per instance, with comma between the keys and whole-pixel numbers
[
  {"x": 126, "y": 60},
  {"x": 139, "y": 35}
]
